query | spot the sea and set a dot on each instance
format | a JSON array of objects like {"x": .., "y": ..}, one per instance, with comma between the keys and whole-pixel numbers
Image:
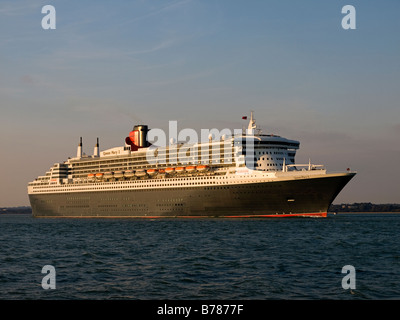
[{"x": 347, "y": 256}]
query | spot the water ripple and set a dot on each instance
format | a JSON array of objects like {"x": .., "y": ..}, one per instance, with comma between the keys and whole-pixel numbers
[{"x": 200, "y": 259}]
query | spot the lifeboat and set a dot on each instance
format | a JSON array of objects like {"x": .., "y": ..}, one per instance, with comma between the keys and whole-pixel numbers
[
  {"x": 190, "y": 169},
  {"x": 140, "y": 173},
  {"x": 169, "y": 170},
  {"x": 129, "y": 174},
  {"x": 91, "y": 175},
  {"x": 152, "y": 171},
  {"x": 108, "y": 175},
  {"x": 99, "y": 175},
  {"x": 180, "y": 169},
  {"x": 119, "y": 174},
  {"x": 202, "y": 168}
]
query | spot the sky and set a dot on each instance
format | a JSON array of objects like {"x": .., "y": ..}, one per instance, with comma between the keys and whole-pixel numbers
[{"x": 109, "y": 65}]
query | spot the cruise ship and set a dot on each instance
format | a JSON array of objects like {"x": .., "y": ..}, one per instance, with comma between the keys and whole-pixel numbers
[{"x": 247, "y": 174}]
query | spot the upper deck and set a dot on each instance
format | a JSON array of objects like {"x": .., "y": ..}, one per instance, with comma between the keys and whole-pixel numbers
[{"x": 251, "y": 149}]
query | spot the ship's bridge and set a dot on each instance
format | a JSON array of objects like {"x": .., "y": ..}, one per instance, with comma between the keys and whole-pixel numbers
[{"x": 265, "y": 152}]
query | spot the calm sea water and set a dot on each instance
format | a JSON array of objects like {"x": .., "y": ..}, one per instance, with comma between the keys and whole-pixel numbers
[{"x": 299, "y": 258}]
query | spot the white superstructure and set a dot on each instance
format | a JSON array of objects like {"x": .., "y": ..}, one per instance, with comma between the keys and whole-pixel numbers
[{"x": 247, "y": 156}]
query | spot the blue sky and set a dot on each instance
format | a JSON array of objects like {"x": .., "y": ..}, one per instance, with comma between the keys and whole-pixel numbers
[{"x": 112, "y": 64}]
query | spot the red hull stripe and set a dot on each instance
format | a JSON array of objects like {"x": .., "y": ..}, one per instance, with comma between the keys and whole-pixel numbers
[{"x": 316, "y": 214}]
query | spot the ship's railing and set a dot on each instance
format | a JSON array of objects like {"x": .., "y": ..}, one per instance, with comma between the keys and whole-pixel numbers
[{"x": 303, "y": 167}]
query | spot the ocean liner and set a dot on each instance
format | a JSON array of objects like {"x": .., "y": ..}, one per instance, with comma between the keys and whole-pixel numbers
[{"x": 244, "y": 174}]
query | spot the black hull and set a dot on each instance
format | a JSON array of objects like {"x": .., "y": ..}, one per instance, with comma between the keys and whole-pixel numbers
[{"x": 311, "y": 196}]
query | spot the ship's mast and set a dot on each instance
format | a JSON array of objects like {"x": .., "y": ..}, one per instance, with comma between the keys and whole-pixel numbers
[{"x": 252, "y": 125}]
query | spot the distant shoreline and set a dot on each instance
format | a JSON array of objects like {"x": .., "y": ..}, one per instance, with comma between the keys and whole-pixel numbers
[
  {"x": 363, "y": 212},
  {"x": 365, "y": 207},
  {"x": 16, "y": 210}
]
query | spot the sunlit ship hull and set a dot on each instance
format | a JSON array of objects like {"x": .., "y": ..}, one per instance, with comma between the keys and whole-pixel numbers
[
  {"x": 309, "y": 196},
  {"x": 245, "y": 174}
]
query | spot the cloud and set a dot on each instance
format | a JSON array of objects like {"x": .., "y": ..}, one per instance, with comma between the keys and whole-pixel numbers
[
  {"x": 184, "y": 78},
  {"x": 10, "y": 9},
  {"x": 160, "y": 46},
  {"x": 166, "y": 8},
  {"x": 27, "y": 79}
]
